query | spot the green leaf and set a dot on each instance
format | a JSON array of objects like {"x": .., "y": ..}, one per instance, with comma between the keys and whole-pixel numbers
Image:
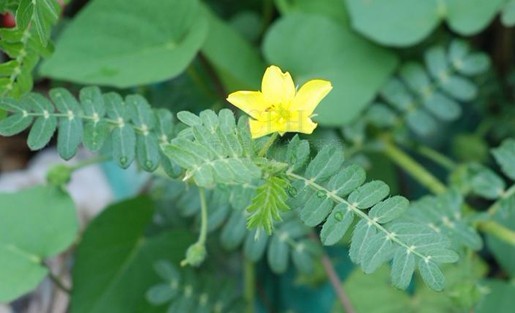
[
  {"x": 15, "y": 124},
  {"x": 416, "y": 78},
  {"x": 278, "y": 252},
  {"x": 403, "y": 23},
  {"x": 255, "y": 246},
  {"x": 436, "y": 62},
  {"x": 420, "y": 122},
  {"x": 161, "y": 294},
  {"x": 505, "y": 157},
  {"x": 147, "y": 147},
  {"x": 69, "y": 137},
  {"x": 237, "y": 63},
  {"x": 442, "y": 107},
  {"x": 395, "y": 22},
  {"x": 389, "y": 209},
  {"x": 378, "y": 250},
  {"x": 92, "y": 102},
  {"x": 39, "y": 13},
  {"x": 188, "y": 118},
  {"x": 123, "y": 142},
  {"x": 403, "y": 266},
  {"x": 396, "y": 93},
  {"x": 325, "y": 163},
  {"x": 431, "y": 274},
  {"x": 234, "y": 231},
  {"x": 508, "y": 14},
  {"x": 468, "y": 17},
  {"x": 95, "y": 134},
  {"x": 96, "y": 130},
  {"x": 460, "y": 88},
  {"x": 297, "y": 153},
  {"x": 474, "y": 64},
  {"x": 268, "y": 204},
  {"x": 26, "y": 238},
  {"x": 302, "y": 256},
  {"x": 487, "y": 183},
  {"x": 115, "y": 245},
  {"x": 103, "y": 45},
  {"x": 347, "y": 180},
  {"x": 41, "y": 132},
  {"x": 336, "y": 225},
  {"x": 361, "y": 287},
  {"x": 331, "y": 8},
  {"x": 317, "y": 208},
  {"x": 315, "y": 46},
  {"x": 499, "y": 297},
  {"x": 70, "y": 127},
  {"x": 369, "y": 194},
  {"x": 360, "y": 239}
]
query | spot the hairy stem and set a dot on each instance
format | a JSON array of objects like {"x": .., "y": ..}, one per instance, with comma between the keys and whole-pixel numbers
[
  {"x": 203, "y": 217},
  {"x": 411, "y": 166},
  {"x": 250, "y": 285},
  {"x": 267, "y": 145}
]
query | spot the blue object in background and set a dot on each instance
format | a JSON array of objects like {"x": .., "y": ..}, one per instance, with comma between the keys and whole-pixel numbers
[{"x": 125, "y": 183}]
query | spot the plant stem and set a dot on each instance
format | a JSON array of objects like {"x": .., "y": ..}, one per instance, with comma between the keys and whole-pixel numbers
[
  {"x": 56, "y": 280},
  {"x": 250, "y": 284},
  {"x": 436, "y": 157},
  {"x": 411, "y": 166},
  {"x": 497, "y": 205},
  {"x": 498, "y": 230},
  {"x": 203, "y": 217},
  {"x": 267, "y": 145},
  {"x": 337, "y": 284}
]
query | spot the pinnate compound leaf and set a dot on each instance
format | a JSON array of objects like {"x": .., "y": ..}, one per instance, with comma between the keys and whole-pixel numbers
[
  {"x": 202, "y": 154},
  {"x": 26, "y": 239},
  {"x": 268, "y": 204}
]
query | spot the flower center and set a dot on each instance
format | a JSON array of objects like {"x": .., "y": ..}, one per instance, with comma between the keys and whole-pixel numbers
[{"x": 280, "y": 112}]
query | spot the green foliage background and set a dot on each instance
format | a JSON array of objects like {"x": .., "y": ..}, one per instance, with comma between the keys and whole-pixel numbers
[{"x": 422, "y": 98}]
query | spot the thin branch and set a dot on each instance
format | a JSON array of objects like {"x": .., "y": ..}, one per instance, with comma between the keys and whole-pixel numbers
[
  {"x": 56, "y": 280},
  {"x": 337, "y": 284}
]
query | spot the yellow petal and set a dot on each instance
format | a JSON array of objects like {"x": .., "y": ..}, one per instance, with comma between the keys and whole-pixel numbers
[
  {"x": 261, "y": 128},
  {"x": 305, "y": 126},
  {"x": 277, "y": 87},
  {"x": 310, "y": 95},
  {"x": 251, "y": 102}
]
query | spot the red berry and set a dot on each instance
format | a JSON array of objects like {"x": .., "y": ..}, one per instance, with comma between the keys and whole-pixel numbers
[{"x": 8, "y": 20}]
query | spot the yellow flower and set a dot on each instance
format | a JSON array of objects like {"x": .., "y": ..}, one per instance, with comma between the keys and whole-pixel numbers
[{"x": 279, "y": 107}]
